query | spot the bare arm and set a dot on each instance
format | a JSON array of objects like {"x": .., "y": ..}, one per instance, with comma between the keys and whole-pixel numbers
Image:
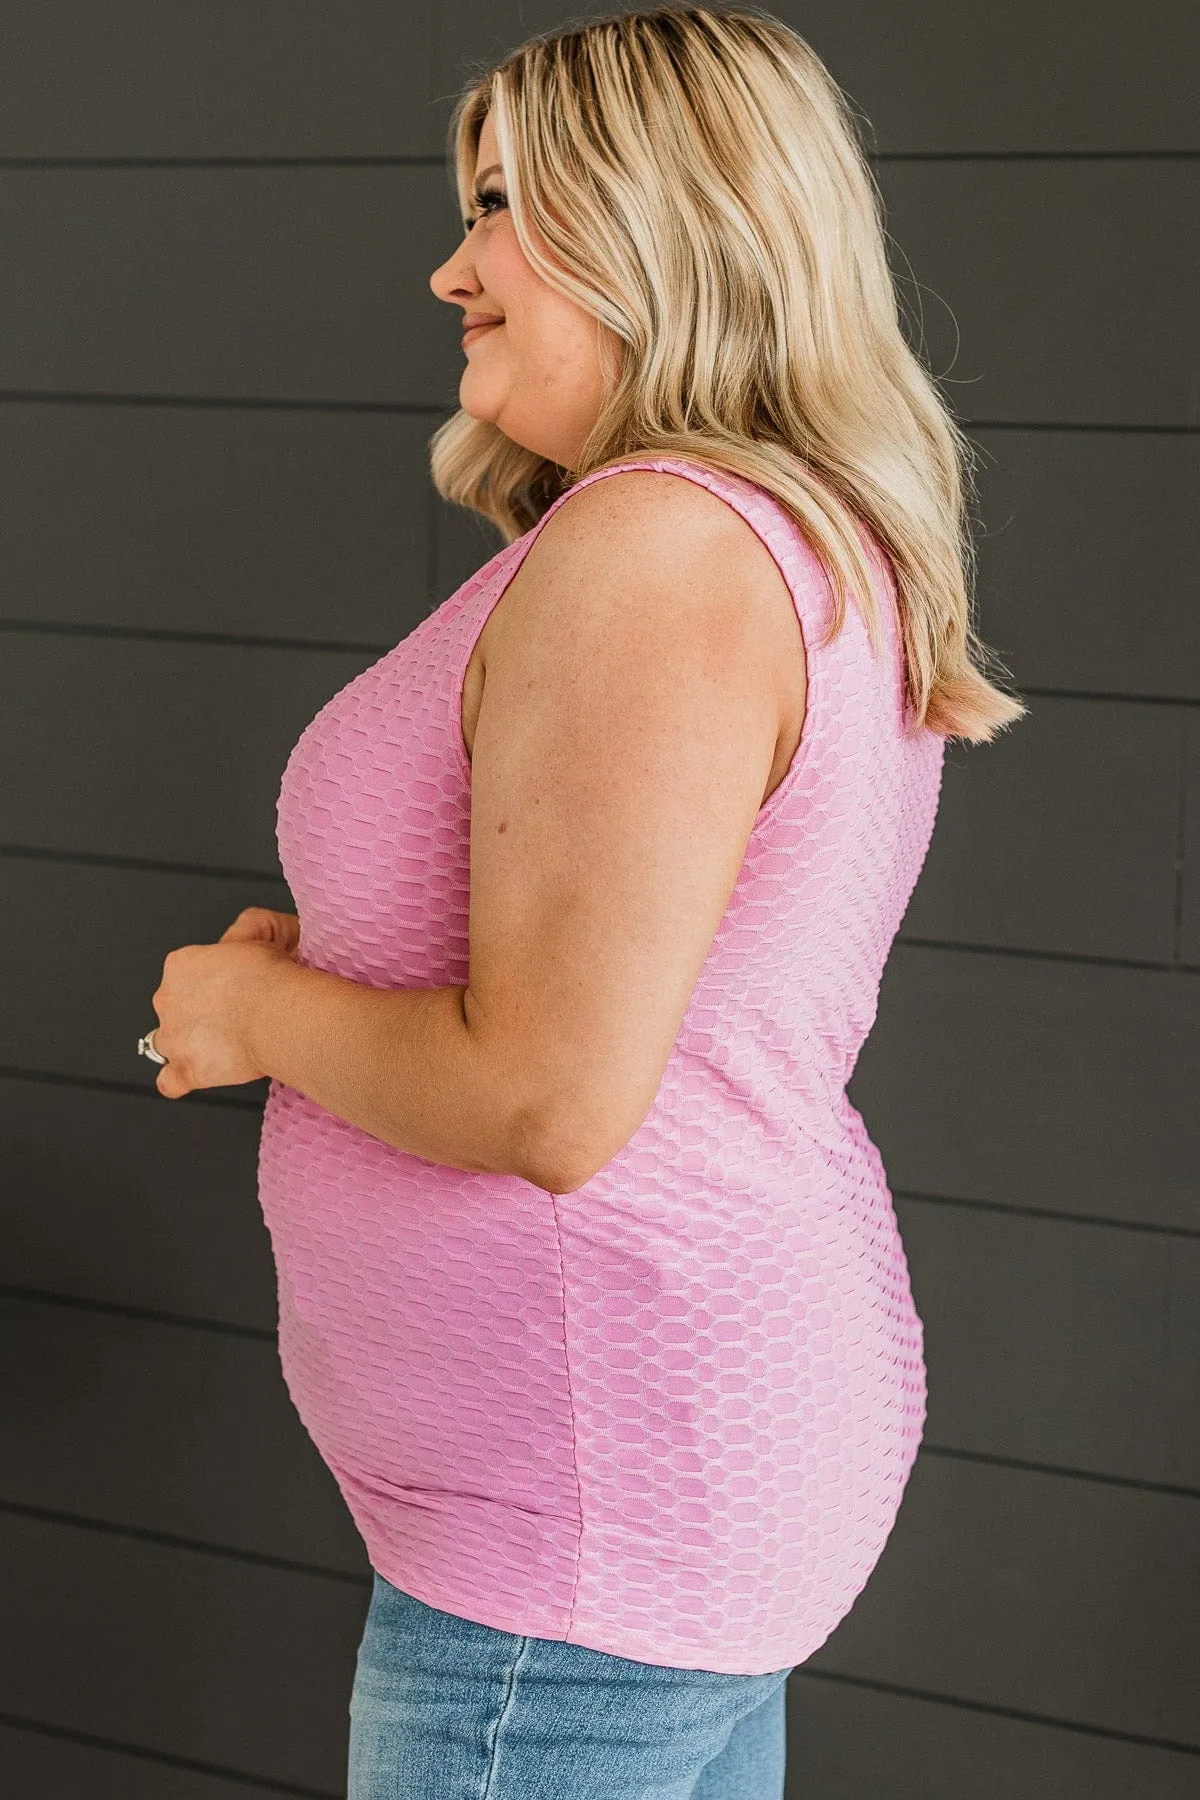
[
  {"x": 625, "y": 738},
  {"x": 401, "y": 1063}
]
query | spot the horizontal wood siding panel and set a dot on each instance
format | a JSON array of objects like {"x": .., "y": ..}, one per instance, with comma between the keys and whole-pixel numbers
[
  {"x": 1088, "y": 558},
  {"x": 1189, "y": 915},
  {"x": 847, "y": 1742},
  {"x": 169, "y": 751},
  {"x": 77, "y": 989},
  {"x": 1066, "y": 1087},
  {"x": 163, "y": 78},
  {"x": 1052, "y": 292},
  {"x": 1060, "y": 835},
  {"x": 223, "y": 1662},
  {"x": 302, "y": 80},
  {"x": 313, "y": 284},
  {"x": 1066, "y": 1598},
  {"x": 130, "y": 1199},
  {"x": 165, "y": 1428},
  {"x": 38, "y": 1765},
  {"x": 939, "y": 78},
  {"x": 1057, "y": 1342},
  {"x": 236, "y": 283},
  {"x": 251, "y": 522}
]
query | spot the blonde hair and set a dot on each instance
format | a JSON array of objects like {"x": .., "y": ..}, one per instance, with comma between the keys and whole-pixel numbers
[{"x": 698, "y": 176}]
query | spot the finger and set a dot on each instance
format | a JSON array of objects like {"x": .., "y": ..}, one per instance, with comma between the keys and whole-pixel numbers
[{"x": 251, "y": 923}]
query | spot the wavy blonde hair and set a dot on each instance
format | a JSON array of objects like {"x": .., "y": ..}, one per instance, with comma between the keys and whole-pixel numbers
[{"x": 698, "y": 176}]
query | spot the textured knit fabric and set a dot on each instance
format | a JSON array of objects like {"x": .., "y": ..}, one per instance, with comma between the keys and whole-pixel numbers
[{"x": 670, "y": 1415}]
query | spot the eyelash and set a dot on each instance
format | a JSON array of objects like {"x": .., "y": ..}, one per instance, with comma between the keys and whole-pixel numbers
[{"x": 481, "y": 196}]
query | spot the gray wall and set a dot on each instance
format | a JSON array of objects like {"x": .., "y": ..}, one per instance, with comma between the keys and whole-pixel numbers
[{"x": 220, "y": 364}]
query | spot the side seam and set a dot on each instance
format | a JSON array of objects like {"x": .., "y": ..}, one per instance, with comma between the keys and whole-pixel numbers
[{"x": 562, "y": 1283}]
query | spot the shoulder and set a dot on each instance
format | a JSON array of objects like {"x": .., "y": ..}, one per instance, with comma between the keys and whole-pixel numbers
[
  {"x": 657, "y": 528},
  {"x": 627, "y": 500}
]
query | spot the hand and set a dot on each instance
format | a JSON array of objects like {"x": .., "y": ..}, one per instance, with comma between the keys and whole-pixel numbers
[{"x": 207, "y": 999}]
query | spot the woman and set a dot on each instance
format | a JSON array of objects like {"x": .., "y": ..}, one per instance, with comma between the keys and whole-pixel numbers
[{"x": 591, "y": 1290}]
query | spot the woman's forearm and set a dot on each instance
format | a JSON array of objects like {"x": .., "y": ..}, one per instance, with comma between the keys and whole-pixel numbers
[{"x": 403, "y": 1063}]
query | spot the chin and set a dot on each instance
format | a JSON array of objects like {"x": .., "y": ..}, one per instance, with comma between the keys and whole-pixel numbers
[{"x": 476, "y": 404}]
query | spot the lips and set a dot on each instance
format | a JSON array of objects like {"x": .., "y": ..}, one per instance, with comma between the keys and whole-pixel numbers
[{"x": 478, "y": 325}]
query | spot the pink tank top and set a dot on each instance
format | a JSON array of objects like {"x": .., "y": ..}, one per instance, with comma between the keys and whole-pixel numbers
[{"x": 671, "y": 1415}]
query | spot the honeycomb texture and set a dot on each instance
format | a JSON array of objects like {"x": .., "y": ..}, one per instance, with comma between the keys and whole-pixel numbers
[{"x": 671, "y": 1415}]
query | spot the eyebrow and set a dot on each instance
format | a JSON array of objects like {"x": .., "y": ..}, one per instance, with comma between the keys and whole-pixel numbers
[{"x": 491, "y": 170}]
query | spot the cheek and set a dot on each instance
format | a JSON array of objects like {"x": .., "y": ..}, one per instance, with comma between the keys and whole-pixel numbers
[
  {"x": 534, "y": 310},
  {"x": 502, "y": 266}
]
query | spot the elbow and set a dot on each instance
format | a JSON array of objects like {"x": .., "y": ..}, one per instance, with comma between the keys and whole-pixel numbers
[
  {"x": 525, "y": 1134},
  {"x": 547, "y": 1167},
  {"x": 557, "y": 1156}
]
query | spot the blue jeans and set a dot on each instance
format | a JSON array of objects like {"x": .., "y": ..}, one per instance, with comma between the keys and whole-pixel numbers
[{"x": 446, "y": 1709}]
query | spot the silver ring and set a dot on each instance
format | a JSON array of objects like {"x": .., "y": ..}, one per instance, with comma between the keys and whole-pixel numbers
[{"x": 146, "y": 1047}]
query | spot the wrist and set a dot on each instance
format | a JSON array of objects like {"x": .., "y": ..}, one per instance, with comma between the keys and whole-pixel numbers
[{"x": 269, "y": 994}]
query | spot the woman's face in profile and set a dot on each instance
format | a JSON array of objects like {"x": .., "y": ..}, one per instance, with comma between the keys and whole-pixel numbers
[{"x": 536, "y": 374}]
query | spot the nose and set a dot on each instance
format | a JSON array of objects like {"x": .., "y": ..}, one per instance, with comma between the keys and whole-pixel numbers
[{"x": 449, "y": 279}]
